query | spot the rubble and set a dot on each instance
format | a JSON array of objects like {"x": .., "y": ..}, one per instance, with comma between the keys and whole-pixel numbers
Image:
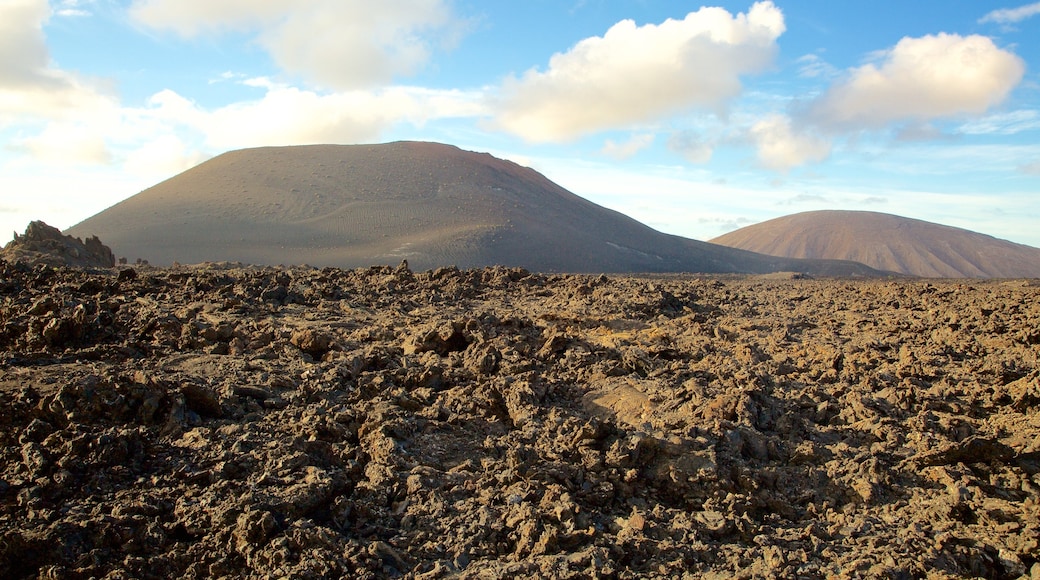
[{"x": 230, "y": 421}]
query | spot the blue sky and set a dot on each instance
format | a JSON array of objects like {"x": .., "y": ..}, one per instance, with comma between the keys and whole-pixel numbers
[{"x": 695, "y": 120}]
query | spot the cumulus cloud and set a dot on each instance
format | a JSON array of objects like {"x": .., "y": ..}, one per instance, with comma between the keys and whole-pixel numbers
[
  {"x": 33, "y": 91},
  {"x": 58, "y": 116},
  {"x": 67, "y": 143},
  {"x": 338, "y": 44},
  {"x": 920, "y": 79},
  {"x": 289, "y": 116},
  {"x": 628, "y": 148},
  {"x": 1011, "y": 15},
  {"x": 781, "y": 147},
  {"x": 634, "y": 74},
  {"x": 194, "y": 17},
  {"x": 908, "y": 87},
  {"x": 23, "y": 51}
]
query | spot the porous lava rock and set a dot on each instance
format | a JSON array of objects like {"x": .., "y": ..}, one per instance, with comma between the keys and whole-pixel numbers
[
  {"x": 220, "y": 421},
  {"x": 44, "y": 244}
]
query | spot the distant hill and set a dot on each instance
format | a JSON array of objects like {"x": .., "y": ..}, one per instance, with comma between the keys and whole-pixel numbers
[
  {"x": 888, "y": 242},
  {"x": 432, "y": 204}
]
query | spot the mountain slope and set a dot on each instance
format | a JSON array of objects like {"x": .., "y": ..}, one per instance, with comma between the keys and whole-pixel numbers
[
  {"x": 432, "y": 204},
  {"x": 888, "y": 242}
]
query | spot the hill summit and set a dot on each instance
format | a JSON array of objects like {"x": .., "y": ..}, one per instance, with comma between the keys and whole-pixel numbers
[
  {"x": 888, "y": 242},
  {"x": 428, "y": 203}
]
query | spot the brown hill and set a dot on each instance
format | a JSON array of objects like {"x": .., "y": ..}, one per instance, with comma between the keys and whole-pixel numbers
[
  {"x": 888, "y": 242},
  {"x": 432, "y": 204}
]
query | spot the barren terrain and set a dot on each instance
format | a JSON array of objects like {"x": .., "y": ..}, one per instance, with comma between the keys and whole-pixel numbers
[
  {"x": 888, "y": 242},
  {"x": 224, "y": 421}
]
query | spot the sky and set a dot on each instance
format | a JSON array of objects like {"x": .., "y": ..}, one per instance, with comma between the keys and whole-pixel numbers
[{"x": 693, "y": 119}]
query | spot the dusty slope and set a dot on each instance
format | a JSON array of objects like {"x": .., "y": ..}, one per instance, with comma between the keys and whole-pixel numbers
[
  {"x": 490, "y": 423},
  {"x": 432, "y": 204},
  {"x": 888, "y": 242}
]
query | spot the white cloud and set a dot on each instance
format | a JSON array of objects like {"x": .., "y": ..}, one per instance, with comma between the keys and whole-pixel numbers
[
  {"x": 171, "y": 108},
  {"x": 52, "y": 109},
  {"x": 193, "y": 17},
  {"x": 1011, "y": 15},
  {"x": 23, "y": 52},
  {"x": 627, "y": 149},
  {"x": 917, "y": 81},
  {"x": 338, "y": 44},
  {"x": 285, "y": 115},
  {"x": 56, "y": 95},
  {"x": 781, "y": 147},
  {"x": 29, "y": 84},
  {"x": 291, "y": 116},
  {"x": 920, "y": 79},
  {"x": 53, "y": 115},
  {"x": 635, "y": 74},
  {"x": 68, "y": 143},
  {"x": 163, "y": 156}
]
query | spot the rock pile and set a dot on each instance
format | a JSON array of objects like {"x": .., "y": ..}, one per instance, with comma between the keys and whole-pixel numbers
[
  {"x": 43, "y": 244},
  {"x": 224, "y": 421}
]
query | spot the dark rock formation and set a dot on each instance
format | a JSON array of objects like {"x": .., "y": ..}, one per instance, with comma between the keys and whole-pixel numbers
[{"x": 43, "y": 244}]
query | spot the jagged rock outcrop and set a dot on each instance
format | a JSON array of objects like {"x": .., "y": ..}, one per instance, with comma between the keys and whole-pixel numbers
[{"x": 44, "y": 244}]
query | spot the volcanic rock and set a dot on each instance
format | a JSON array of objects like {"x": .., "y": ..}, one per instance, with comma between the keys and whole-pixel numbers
[
  {"x": 497, "y": 423},
  {"x": 43, "y": 244}
]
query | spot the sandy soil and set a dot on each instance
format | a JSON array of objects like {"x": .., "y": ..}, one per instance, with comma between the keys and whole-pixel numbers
[{"x": 243, "y": 422}]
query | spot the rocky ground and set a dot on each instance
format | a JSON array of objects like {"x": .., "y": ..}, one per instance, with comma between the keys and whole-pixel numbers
[{"x": 224, "y": 421}]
